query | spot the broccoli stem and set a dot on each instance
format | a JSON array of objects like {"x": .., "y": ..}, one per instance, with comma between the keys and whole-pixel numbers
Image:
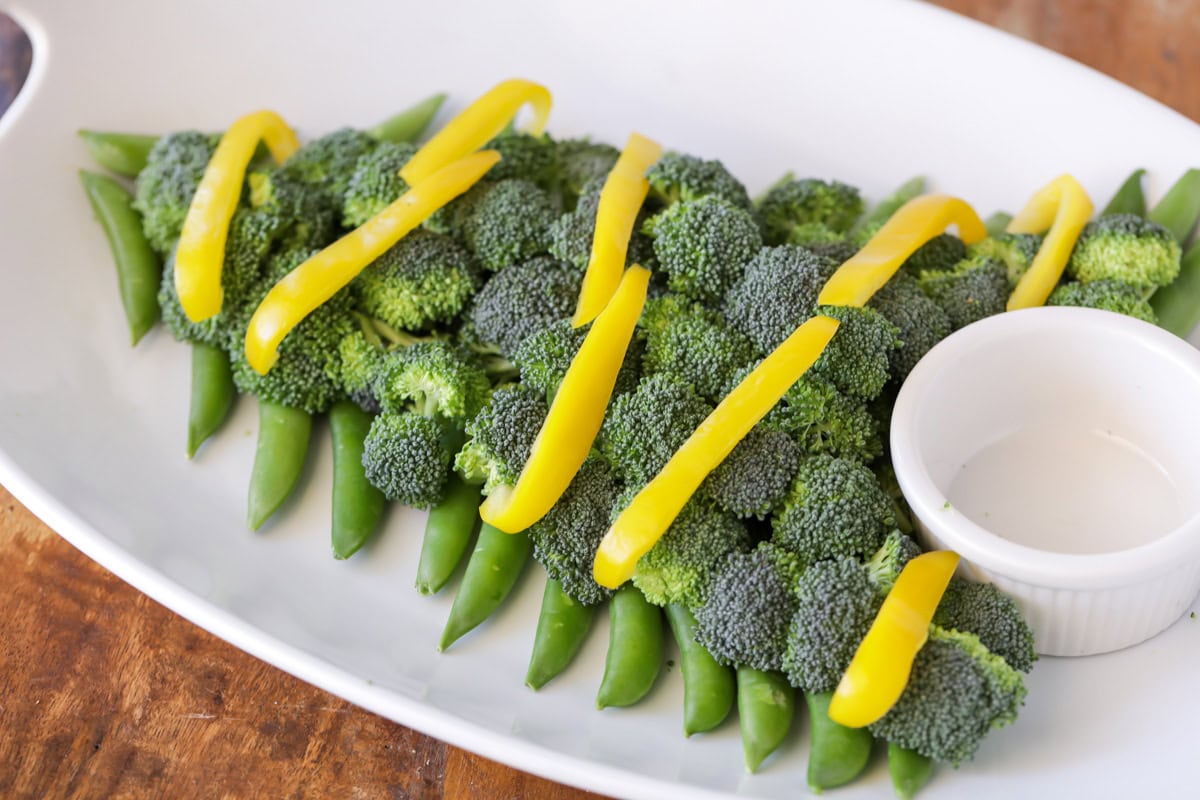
[
  {"x": 213, "y": 393},
  {"x": 409, "y": 124},
  {"x": 1129, "y": 199},
  {"x": 283, "y": 435},
  {"x": 1180, "y": 206}
]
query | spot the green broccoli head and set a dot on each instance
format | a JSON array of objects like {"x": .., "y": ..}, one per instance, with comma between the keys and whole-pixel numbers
[
  {"x": 971, "y": 290},
  {"x": 508, "y": 222},
  {"x": 1014, "y": 250},
  {"x": 702, "y": 245},
  {"x": 566, "y": 539},
  {"x": 823, "y": 420},
  {"x": 749, "y": 604},
  {"x": 754, "y": 478},
  {"x": 939, "y": 254},
  {"x": 858, "y": 358},
  {"x": 799, "y": 211},
  {"x": 375, "y": 182},
  {"x": 693, "y": 345},
  {"x": 500, "y": 437},
  {"x": 676, "y": 178},
  {"x": 679, "y": 568},
  {"x": 434, "y": 378},
  {"x": 777, "y": 292},
  {"x": 425, "y": 279},
  {"x": 572, "y": 233},
  {"x": 885, "y": 566},
  {"x": 407, "y": 457},
  {"x": 644, "y": 428},
  {"x": 1125, "y": 247},
  {"x": 921, "y": 323},
  {"x": 531, "y": 158},
  {"x": 362, "y": 360},
  {"x": 835, "y": 508},
  {"x": 985, "y": 611},
  {"x": 544, "y": 357},
  {"x": 957, "y": 692},
  {"x": 1107, "y": 295},
  {"x": 582, "y": 161},
  {"x": 165, "y": 186},
  {"x": 328, "y": 163},
  {"x": 522, "y": 300},
  {"x": 303, "y": 215}
]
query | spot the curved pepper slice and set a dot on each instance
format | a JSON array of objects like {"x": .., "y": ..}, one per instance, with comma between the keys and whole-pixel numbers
[
  {"x": 657, "y": 505},
  {"x": 566, "y": 436},
  {"x": 319, "y": 278},
  {"x": 621, "y": 199},
  {"x": 1064, "y": 207},
  {"x": 914, "y": 224},
  {"x": 201, "y": 250},
  {"x": 477, "y": 125},
  {"x": 880, "y": 668}
]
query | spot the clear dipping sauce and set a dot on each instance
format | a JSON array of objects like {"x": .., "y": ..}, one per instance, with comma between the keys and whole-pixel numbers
[{"x": 1068, "y": 490}]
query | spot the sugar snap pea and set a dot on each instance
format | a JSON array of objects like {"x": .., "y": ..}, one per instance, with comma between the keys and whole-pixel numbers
[
  {"x": 1179, "y": 208},
  {"x": 213, "y": 393},
  {"x": 837, "y": 754},
  {"x": 492, "y": 572},
  {"x": 357, "y": 505},
  {"x": 124, "y": 154},
  {"x": 997, "y": 223},
  {"x": 409, "y": 124},
  {"x": 279, "y": 456},
  {"x": 708, "y": 687},
  {"x": 1129, "y": 199},
  {"x": 562, "y": 628},
  {"x": 909, "y": 769},
  {"x": 139, "y": 270},
  {"x": 1178, "y": 305},
  {"x": 447, "y": 534},
  {"x": 766, "y": 704},
  {"x": 635, "y": 649}
]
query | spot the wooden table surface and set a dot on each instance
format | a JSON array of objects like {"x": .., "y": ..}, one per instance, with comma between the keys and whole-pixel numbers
[{"x": 106, "y": 694}]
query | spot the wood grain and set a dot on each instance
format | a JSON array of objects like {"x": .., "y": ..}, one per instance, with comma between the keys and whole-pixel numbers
[{"x": 106, "y": 694}]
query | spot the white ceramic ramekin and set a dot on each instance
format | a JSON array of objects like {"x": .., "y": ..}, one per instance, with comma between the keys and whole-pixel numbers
[{"x": 1068, "y": 366}]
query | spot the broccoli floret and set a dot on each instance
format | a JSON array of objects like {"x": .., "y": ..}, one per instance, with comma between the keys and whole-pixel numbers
[
  {"x": 582, "y": 161},
  {"x": 678, "y": 178},
  {"x": 693, "y": 345},
  {"x": 434, "y": 378},
  {"x": 544, "y": 357},
  {"x": 501, "y": 437},
  {"x": 530, "y": 158},
  {"x": 971, "y": 290},
  {"x": 423, "y": 280},
  {"x": 508, "y": 222},
  {"x": 362, "y": 359},
  {"x": 702, "y": 245},
  {"x": 857, "y": 359},
  {"x": 645, "y": 427},
  {"x": 165, "y": 186},
  {"x": 566, "y": 539},
  {"x": 745, "y": 615},
  {"x": 884, "y": 567},
  {"x": 957, "y": 692},
  {"x": 572, "y": 233},
  {"x": 755, "y": 477},
  {"x": 823, "y": 420},
  {"x": 679, "y": 568},
  {"x": 982, "y": 609},
  {"x": 304, "y": 215},
  {"x": 1109, "y": 295},
  {"x": 939, "y": 254},
  {"x": 328, "y": 163},
  {"x": 794, "y": 210},
  {"x": 921, "y": 323},
  {"x": 836, "y": 253},
  {"x": 522, "y": 300},
  {"x": 777, "y": 292},
  {"x": 375, "y": 183},
  {"x": 1125, "y": 247},
  {"x": 835, "y": 508},
  {"x": 407, "y": 457},
  {"x": 1014, "y": 250}
]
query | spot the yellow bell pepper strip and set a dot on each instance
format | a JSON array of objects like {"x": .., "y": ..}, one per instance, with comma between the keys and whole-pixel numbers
[
  {"x": 1064, "y": 207},
  {"x": 914, "y": 224},
  {"x": 657, "y": 505},
  {"x": 880, "y": 668},
  {"x": 200, "y": 253},
  {"x": 575, "y": 415},
  {"x": 621, "y": 199},
  {"x": 477, "y": 125},
  {"x": 305, "y": 288}
]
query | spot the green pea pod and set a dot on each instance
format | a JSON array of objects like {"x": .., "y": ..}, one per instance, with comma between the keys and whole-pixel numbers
[
  {"x": 766, "y": 705},
  {"x": 997, "y": 223},
  {"x": 122, "y": 153},
  {"x": 139, "y": 270},
  {"x": 837, "y": 754},
  {"x": 1129, "y": 199},
  {"x": 1178, "y": 305},
  {"x": 889, "y": 205},
  {"x": 635, "y": 649},
  {"x": 1180, "y": 206},
  {"x": 409, "y": 124},
  {"x": 708, "y": 687},
  {"x": 213, "y": 393},
  {"x": 447, "y": 534},
  {"x": 283, "y": 434},
  {"x": 497, "y": 563},
  {"x": 909, "y": 769},
  {"x": 357, "y": 505},
  {"x": 562, "y": 628}
]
